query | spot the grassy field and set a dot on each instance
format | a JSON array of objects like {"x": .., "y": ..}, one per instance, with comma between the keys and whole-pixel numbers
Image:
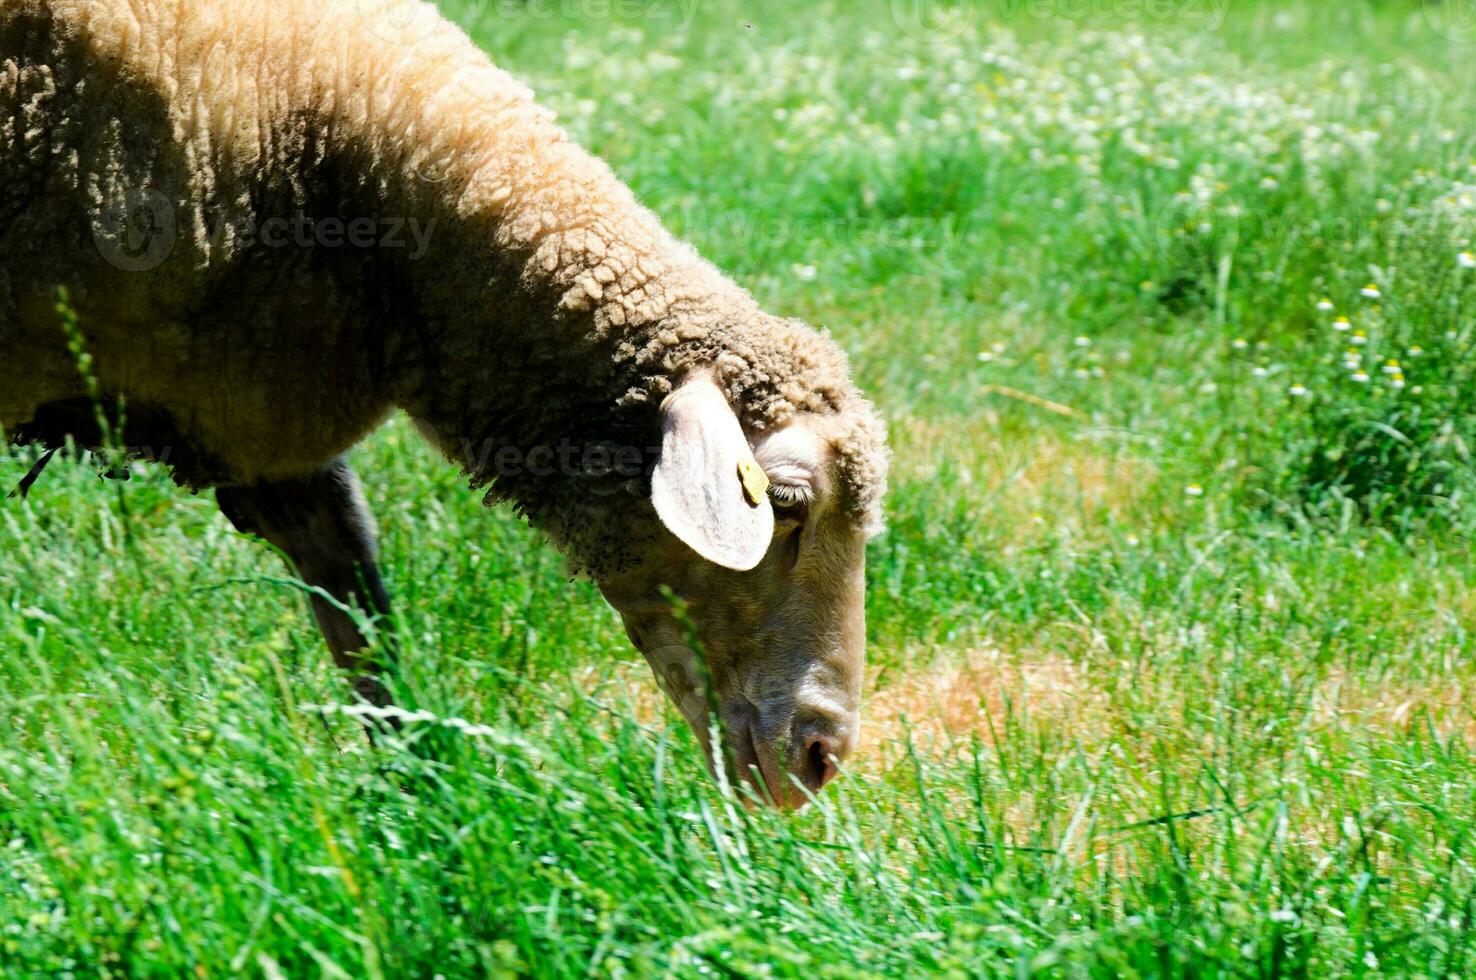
[{"x": 1170, "y": 309}]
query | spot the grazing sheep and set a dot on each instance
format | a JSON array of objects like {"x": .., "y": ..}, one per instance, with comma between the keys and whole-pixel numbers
[{"x": 276, "y": 225}]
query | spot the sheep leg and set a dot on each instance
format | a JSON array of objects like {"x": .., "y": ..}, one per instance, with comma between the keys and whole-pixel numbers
[{"x": 324, "y": 527}]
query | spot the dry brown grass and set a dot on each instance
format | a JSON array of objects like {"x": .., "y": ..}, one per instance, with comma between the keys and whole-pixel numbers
[
  {"x": 975, "y": 693},
  {"x": 985, "y": 693},
  {"x": 1395, "y": 705},
  {"x": 972, "y": 693},
  {"x": 1023, "y": 482}
]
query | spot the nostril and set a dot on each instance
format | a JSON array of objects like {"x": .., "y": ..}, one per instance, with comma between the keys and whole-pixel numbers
[{"x": 820, "y": 765}]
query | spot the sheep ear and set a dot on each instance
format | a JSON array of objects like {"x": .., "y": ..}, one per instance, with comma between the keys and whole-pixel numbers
[{"x": 707, "y": 487}]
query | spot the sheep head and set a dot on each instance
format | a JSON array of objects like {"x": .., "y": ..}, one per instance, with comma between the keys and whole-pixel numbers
[{"x": 766, "y": 552}]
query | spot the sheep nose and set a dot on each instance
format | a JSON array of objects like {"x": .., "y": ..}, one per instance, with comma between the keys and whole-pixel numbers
[
  {"x": 820, "y": 753},
  {"x": 820, "y": 767}
]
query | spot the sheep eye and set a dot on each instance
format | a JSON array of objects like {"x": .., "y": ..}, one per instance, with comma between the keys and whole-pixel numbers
[{"x": 789, "y": 502}]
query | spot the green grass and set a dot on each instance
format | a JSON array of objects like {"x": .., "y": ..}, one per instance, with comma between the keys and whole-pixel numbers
[{"x": 1171, "y": 666}]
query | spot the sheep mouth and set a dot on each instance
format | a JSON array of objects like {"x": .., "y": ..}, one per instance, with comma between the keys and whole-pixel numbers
[
  {"x": 757, "y": 768},
  {"x": 746, "y": 756}
]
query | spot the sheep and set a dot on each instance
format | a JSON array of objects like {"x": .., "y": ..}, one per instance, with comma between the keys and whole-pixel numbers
[{"x": 276, "y": 228}]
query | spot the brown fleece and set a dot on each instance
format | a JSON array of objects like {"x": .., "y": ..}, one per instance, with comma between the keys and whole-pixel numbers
[{"x": 147, "y": 146}]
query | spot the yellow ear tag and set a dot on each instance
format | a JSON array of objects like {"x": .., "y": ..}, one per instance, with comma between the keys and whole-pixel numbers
[{"x": 755, "y": 482}]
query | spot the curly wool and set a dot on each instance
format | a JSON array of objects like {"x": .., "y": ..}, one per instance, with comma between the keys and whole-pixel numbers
[
  {"x": 773, "y": 372},
  {"x": 545, "y": 306}
]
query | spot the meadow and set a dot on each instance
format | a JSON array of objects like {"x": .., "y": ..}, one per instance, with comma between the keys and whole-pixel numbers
[{"x": 1170, "y": 309}]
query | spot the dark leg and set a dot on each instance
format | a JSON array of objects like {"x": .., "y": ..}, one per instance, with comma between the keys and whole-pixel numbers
[{"x": 324, "y": 526}]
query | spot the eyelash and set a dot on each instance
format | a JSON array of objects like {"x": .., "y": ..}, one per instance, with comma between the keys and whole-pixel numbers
[{"x": 788, "y": 499}]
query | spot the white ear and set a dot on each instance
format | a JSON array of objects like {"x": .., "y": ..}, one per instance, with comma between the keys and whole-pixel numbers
[{"x": 699, "y": 486}]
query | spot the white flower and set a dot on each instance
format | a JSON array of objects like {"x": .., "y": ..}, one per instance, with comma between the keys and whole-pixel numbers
[
  {"x": 1341, "y": 324},
  {"x": 1194, "y": 490},
  {"x": 1239, "y": 343},
  {"x": 1466, "y": 260},
  {"x": 1360, "y": 376},
  {"x": 985, "y": 355},
  {"x": 1259, "y": 371},
  {"x": 1371, "y": 291},
  {"x": 1297, "y": 391},
  {"x": 1083, "y": 341},
  {"x": 1358, "y": 339},
  {"x": 1324, "y": 305},
  {"x": 805, "y": 273}
]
